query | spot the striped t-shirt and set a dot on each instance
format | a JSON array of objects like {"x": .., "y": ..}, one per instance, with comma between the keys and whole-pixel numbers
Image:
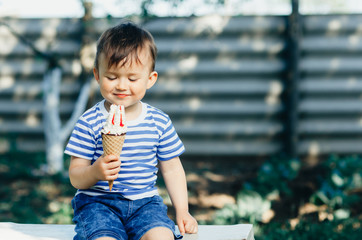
[{"x": 149, "y": 138}]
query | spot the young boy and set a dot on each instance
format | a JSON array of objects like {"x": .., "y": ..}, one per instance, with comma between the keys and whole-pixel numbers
[{"x": 124, "y": 70}]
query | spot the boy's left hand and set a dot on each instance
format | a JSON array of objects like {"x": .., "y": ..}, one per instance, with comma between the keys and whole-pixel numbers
[{"x": 186, "y": 223}]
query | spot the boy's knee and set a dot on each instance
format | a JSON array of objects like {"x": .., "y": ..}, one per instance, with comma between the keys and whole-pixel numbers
[
  {"x": 158, "y": 233},
  {"x": 106, "y": 238}
]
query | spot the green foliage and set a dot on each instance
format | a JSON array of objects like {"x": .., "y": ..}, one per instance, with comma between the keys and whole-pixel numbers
[
  {"x": 252, "y": 202},
  {"x": 26, "y": 196},
  {"x": 24, "y": 165},
  {"x": 249, "y": 207},
  {"x": 274, "y": 175},
  {"x": 305, "y": 230},
  {"x": 338, "y": 180},
  {"x": 62, "y": 213},
  {"x": 340, "y": 176},
  {"x": 36, "y": 200}
]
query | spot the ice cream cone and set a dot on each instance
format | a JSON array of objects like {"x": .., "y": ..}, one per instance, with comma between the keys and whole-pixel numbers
[{"x": 112, "y": 144}]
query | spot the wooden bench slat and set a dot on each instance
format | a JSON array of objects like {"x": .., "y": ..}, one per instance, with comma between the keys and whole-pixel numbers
[{"x": 16, "y": 231}]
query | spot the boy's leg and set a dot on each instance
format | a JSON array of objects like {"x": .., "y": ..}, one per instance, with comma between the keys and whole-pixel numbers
[
  {"x": 149, "y": 220},
  {"x": 158, "y": 233},
  {"x": 95, "y": 220}
]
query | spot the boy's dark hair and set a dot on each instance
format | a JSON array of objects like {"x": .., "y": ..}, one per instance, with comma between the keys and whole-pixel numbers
[{"x": 123, "y": 42}]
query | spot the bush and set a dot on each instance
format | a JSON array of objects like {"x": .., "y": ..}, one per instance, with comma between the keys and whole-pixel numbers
[
  {"x": 305, "y": 230},
  {"x": 338, "y": 180}
]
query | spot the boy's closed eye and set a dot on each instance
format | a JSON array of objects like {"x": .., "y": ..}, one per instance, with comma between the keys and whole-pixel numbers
[
  {"x": 133, "y": 77},
  {"x": 111, "y": 77}
]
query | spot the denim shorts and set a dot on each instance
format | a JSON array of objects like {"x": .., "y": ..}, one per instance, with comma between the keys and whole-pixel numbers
[{"x": 112, "y": 215}]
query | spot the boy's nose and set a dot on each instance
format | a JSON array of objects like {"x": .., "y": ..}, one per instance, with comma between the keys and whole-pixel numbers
[{"x": 122, "y": 84}]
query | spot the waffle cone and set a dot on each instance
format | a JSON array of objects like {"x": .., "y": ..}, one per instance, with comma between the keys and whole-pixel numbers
[{"x": 112, "y": 144}]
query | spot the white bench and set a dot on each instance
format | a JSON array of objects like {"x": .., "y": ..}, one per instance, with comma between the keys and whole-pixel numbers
[{"x": 14, "y": 231}]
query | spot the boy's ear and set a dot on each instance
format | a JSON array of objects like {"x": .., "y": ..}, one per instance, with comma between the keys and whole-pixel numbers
[
  {"x": 96, "y": 75},
  {"x": 152, "y": 79}
]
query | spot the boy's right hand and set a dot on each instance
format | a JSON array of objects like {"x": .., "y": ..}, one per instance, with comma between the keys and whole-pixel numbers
[{"x": 106, "y": 168}]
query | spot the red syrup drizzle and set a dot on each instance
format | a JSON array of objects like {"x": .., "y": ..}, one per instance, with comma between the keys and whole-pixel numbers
[{"x": 121, "y": 122}]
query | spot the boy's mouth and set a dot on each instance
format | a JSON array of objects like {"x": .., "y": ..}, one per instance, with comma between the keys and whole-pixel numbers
[{"x": 122, "y": 95}]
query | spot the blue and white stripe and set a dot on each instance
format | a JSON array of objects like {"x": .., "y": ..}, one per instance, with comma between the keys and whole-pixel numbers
[{"x": 151, "y": 137}]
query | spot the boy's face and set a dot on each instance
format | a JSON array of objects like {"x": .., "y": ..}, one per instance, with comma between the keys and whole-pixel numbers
[{"x": 125, "y": 85}]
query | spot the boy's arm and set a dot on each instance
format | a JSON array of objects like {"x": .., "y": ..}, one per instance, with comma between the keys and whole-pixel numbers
[
  {"x": 175, "y": 180},
  {"x": 83, "y": 175}
]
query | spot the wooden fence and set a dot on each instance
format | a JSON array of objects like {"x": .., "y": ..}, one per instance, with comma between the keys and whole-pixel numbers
[{"x": 223, "y": 80}]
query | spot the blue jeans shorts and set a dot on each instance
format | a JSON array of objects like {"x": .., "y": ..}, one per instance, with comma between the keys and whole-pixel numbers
[{"x": 112, "y": 215}]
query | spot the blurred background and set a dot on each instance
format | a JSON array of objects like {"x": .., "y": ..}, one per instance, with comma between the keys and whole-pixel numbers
[{"x": 265, "y": 94}]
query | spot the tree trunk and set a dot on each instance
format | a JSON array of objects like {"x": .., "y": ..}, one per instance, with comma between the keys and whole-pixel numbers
[{"x": 55, "y": 134}]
